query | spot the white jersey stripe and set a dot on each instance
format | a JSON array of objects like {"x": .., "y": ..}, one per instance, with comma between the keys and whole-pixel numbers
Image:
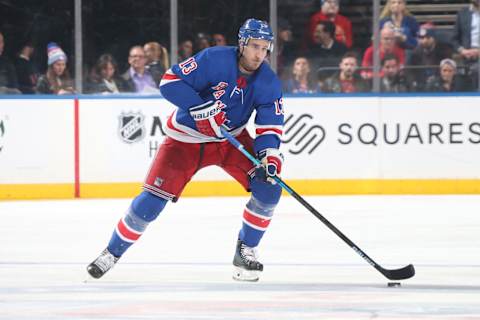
[
  {"x": 119, "y": 234},
  {"x": 254, "y": 226}
]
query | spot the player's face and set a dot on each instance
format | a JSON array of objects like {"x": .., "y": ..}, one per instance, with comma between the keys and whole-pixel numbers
[{"x": 253, "y": 55}]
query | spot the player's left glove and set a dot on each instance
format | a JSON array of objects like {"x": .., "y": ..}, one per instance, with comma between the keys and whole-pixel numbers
[
  {"x": 272, "y": 160},
  {"x": 209, "y": 117}
]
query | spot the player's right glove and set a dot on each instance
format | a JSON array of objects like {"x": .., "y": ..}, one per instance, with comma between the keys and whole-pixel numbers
[
  {"x": 272, "y": 160},
  {"x": 209, "y": 117}
]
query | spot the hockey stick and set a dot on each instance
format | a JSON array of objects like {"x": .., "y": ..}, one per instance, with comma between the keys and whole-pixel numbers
[{"x": 392, "y": 274}]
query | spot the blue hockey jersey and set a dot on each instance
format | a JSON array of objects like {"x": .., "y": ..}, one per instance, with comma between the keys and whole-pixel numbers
[{"x": 213, "y": 74}]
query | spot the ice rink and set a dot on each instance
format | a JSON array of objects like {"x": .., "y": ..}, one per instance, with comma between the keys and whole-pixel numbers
[{"x": 181, "y": 267}]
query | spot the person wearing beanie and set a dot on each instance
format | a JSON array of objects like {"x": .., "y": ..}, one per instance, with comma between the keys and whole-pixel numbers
[
  {"x": 448, "y": 80},
  {"x": 55, "y": 53},
  {"x": 57, "y": 80}
]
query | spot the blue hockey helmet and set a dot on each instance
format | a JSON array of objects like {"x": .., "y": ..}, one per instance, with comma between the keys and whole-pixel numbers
[{"x": 255, "y": 29}]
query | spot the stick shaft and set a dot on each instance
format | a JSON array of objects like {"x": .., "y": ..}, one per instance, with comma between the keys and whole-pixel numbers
[{"x": 403, "y": 273}]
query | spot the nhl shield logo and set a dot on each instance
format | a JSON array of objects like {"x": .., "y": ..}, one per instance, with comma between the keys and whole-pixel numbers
[{"x": 131, "y": 127}]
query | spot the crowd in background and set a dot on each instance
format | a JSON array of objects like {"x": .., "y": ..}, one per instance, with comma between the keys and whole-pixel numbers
[{"x": 413, "y": 58}]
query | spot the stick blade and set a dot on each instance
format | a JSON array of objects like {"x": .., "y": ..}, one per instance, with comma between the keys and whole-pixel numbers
[{"x": 399, "y": 274}]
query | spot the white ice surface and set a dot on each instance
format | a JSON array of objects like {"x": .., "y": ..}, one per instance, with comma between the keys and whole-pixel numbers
[{"x": 181, "y": 267}]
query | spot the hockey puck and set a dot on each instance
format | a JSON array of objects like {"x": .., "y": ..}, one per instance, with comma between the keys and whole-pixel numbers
[{"x": 394, "y": 284}]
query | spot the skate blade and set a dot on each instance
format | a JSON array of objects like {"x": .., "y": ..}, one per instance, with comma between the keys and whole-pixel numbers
[{"x": 240, "y": 274}]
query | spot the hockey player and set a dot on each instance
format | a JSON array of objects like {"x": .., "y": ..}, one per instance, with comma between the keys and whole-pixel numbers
[{"x": 219, "y": 86}]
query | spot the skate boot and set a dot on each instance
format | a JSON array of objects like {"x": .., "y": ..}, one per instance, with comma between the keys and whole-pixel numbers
[
  {"x": 247, "y": 268},
  {"x": 102, "y": 264}
]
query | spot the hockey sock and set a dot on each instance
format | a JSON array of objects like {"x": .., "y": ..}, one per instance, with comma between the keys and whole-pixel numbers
[
  {"x": 144, "y": 209},
  {"x": 259, "y": 210}
]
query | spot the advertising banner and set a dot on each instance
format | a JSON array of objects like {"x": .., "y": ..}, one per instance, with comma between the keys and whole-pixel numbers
[
  {"x": 36, "y": 141},
  {"x": 332, "y": 145}
]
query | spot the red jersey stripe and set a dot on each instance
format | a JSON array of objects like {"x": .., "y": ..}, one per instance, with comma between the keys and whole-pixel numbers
[
  {"x": 259, "y": 222},
  {"x": 127, "y": 233},
  {"x": 170, "y": 76},
  {"x": 260, "y": 131},
  {"x": 171, "y": 126}
]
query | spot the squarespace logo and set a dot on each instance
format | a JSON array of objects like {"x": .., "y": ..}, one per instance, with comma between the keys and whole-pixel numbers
[{"x": 303, "y": 135}]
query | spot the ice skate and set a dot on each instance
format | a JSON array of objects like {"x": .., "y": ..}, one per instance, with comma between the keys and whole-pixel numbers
[
  {"x": 102, "y": 264},
  {"x": 247, "y": 268}
]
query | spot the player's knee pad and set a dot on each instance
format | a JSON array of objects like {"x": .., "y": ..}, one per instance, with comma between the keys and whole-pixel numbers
[
  {"x": 265, "y": 192},
  {"x": 147, "y": 206}
]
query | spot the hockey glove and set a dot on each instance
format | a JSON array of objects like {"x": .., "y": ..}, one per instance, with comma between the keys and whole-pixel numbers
[
  {"x": 272, "y": 160},
  {"x": 209, "y": 117}
]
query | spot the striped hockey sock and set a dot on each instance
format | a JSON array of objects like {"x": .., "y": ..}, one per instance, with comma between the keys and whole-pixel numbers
[
  {"x": 127, "y": 232},
  {"x": 255, "y": 223}
]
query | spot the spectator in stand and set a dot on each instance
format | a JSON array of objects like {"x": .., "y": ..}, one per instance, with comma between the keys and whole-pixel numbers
[
  {"x": 346, "y": 80},
  {"x": 466, "y": 37},
  {"x": 300, "y": 80},
  {"x": 8, "y": 75},
  {"x": 403, "y": 23},
  {"x": 185, "y": 50},
  {"x": 26, "y": 70},
  {"x": 57, "y": 80},
  {"x": 284, "y": 48},
  {"x": 329, "y": 12},
  {"x": 202, "y": 41},
  {"x": 387, "y": 45},
  {"x": 219, "y": 39},
  {"x": 137, "y": 76},
  {"x": 426, "y": 57},
  {"x": 326, "y": 52},
  {"x": 448, "y": 80},
  {"x": 104, "y": 78},
  {"x": 392, "y": 79},
  {"x": 157, "y": 60}
]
